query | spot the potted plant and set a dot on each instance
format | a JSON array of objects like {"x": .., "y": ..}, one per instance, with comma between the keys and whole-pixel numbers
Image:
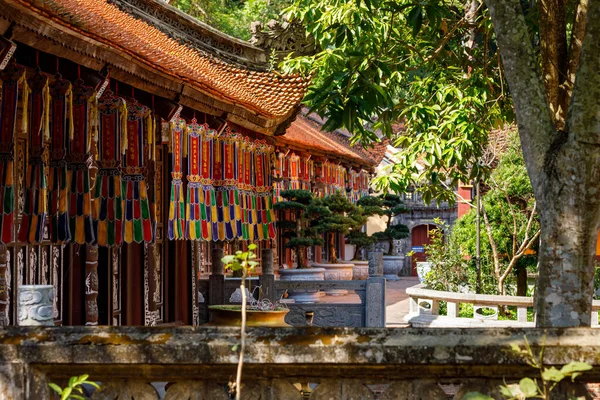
[
  {"x": 391, "y": 206},
  {"x": 367, "y": 207},
  {"x": 332, "y": 216},
  {"x": 257, "y": 313},
  {"x": 261, "y": 312},
  {"x": 293, "y": 226}
]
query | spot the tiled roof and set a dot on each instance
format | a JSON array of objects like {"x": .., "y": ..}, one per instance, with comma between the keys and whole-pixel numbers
[
  {"x": 266, "y": 93},
  {"x": 374, "y": 154},
  {"x": 307, "y": 134}
]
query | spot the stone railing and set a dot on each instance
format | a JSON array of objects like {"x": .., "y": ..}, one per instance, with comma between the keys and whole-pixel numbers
[
  {"x": 425, "y": 309},
  {"x": 368, "y": 312},
  {"x": 285, "y": 363}
]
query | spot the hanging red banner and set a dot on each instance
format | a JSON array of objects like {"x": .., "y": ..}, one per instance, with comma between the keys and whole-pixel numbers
[
  {"x": 176, "y": 228},
  {"x": 79, "y": 160},
  {"x": 61, "y": 130},
  {"x": 108, "y": 197},
  {"x": 13, "y": 78},
  {"x": 137, "y": 222},
  {"x": 35, "y": 210}
]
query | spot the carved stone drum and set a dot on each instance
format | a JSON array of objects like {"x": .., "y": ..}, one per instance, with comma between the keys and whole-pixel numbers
[{"x": 36, "y": 306}]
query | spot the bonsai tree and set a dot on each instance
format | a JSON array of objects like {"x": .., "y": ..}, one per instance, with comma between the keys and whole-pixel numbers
[
  {"x": 391, "y": 205},
  {"x": 367, "y": 207},
  {"x": 294, "y": 225},
  {"x": 333, "y": 215}
]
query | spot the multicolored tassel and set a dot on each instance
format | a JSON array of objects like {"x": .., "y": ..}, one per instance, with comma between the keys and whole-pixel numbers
[
  {"x": 12, "y": 78},
  {"x": 61, "y": 128},
  {"x": 35, "y": 210},
  {"x": 246, "y": 194},
  {"x": 201, "y": 208},
  {"x": 79, "y": 159},
  {"x": 265, "y": 215},
  {"x": 108, "y": 198},
  {"x": 138, "y": 221},
  {"x": 176, "y": 228},
  {"x": 225, "y": 181}
]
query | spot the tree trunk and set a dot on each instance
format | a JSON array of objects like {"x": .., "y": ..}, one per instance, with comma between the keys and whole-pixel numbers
[
  {"x": 564, "y": 166},
  {"x": 300, "y": 257},
  {"x": 332, "y": 254},
  {"x": 555, "y": 60},
  {"x": 521, "y": 281},
  {"x": 565, "y": 284}
]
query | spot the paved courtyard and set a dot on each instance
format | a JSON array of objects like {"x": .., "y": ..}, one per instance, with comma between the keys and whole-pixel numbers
[{"x": 396, "y": 300}]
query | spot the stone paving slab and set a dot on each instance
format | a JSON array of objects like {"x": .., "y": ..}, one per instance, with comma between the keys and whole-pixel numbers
[{"x": 396, "y": 301}]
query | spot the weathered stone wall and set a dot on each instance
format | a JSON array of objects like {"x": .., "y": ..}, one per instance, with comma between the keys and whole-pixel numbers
[{"x": 333, "y": 363}]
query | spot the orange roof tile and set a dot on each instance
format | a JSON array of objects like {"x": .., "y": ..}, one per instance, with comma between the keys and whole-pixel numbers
[
  {"x": 304, "y": 133},
  {"x": 266, "y": 93}
]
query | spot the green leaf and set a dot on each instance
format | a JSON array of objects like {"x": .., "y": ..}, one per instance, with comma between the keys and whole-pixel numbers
[
  {"x": 415, "y": 19},
  {"x": 94, "y": 384},
  {"x": 528, "y": 387},
  {"x": 552, "y": 375},
  {"x": 228, "y": 259},
  {"x": 506, "y": 391},
  {"x": 575, "y": 366},
  {"x": 56, "y": 388},
  {"x": 66, "y": 393}
]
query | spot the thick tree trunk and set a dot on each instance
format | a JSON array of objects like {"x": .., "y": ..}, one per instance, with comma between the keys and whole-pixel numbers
[
  {"x": 566, "y": 281},
  {"x": 569, "y": 218},
  {"x": 564, "y": 167}
]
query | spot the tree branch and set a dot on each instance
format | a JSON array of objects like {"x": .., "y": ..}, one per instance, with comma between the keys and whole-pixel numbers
[
  {"x": 575, "y": 45},
  {"x": 521, "y": 70},
  {"x": 584, "y": 112},
  {"x": 488, "y": 229}
]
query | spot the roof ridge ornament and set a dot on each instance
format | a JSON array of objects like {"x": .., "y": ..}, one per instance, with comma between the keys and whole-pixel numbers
[{"x": 282, "y": 38}]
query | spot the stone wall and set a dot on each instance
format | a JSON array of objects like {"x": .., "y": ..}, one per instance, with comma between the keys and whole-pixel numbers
[{"x": 330, "y": 363}]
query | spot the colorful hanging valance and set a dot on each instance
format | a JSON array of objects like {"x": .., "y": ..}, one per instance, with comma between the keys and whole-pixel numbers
[
  {"x": 61, "y": 128},
  {"x": 13, "y": 78},
  {"x": 294, "y": 168},
  {"x": 137, "y": 221},
  {"x": 306, "y": 173},
  {"x": 108, "y": 198},
  {"x": 35, "y": 209},
  {"x": 263, "y": 200},
  {"x": 229, "y": 219},
  {"x": 79, "y": 160},
  {"x": 245, "y": 183},
  {"x": 201, "y": 211},
  {"x": 176, "y": 228}
]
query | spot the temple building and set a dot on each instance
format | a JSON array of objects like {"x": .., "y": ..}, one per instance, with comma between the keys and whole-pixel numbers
[{"x": 133, "y": 140}]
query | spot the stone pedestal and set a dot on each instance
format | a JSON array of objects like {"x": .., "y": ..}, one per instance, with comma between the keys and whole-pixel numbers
[
  {"x": 36, "y": 305},
  {"x": 337, "y": 272},
  {"x": 360, "y": 271},
  {"x": 392, "y": 265},
  {"x": 375, "y": 263},
  {"x": 303, "y": 296}
]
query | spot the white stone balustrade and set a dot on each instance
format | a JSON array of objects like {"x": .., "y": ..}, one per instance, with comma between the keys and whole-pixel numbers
[{"x": 425, "y": 306}]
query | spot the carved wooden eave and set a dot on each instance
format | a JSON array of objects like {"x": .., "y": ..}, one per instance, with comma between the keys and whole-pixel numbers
[
  {"x": 187, "y": 29},
  {"x": 38, "y": 30}
]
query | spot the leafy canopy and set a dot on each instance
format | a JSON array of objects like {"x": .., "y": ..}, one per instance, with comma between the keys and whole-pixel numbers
[
  {"x": 233, "y": 16},
  {"x": 385, "y": 61}
]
